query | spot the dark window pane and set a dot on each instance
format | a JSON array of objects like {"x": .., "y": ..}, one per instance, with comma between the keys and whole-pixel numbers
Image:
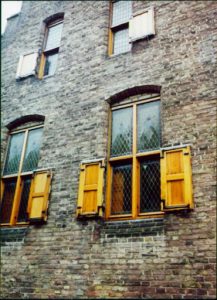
[
  {"x": 14, "y": 154},
  {"x": 7, "y": 201},
  {"x": 50, "y": 64},
  {"x": 121, "y": 41},
  {"x": 121, "y": 190},
  {"x": 122, "y": 11},
  {"x": 150, "y": 186},
  {"x": 121, "y": 132},
  {"x": 148, "y": 126},
  {"x": 32, "y": 150},
  {"x": 22, "y": 216},
  {"x": 54, "y": 37}
]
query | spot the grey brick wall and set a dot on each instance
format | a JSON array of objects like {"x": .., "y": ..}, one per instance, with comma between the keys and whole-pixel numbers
[{"x": 66, "y": 258}]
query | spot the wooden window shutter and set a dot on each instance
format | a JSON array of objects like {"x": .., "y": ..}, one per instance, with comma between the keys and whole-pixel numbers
[
  {"x": 142, "y": 25},
  {"x": 39, "y": 194},
  {"x": 176, "y": 179},
  {"x": 90, "y": 194},
  {"x": 27, "y": 65}
]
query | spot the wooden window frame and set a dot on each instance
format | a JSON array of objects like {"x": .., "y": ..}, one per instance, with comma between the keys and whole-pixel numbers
[
  {"x": 18, "y": 176},
  {"x": 134, "y": 157},
  {"x": 114, "y": 29},
  {"x": 46, "y": 53}
]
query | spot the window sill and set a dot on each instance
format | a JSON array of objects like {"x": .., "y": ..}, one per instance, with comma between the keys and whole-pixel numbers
[
  {"x": 13, "y": 235},
  {"x": 47, "y": 76},
  {"x": 118, "y": 54},
  {"x": 133, "y": 228}
]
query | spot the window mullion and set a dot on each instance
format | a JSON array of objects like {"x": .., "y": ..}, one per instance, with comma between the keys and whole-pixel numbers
[
  {"x": 18, "y": 189},
  {"x": 135, "y": 166}
]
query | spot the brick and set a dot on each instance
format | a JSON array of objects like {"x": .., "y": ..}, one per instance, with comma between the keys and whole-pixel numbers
[{"x": 167, "y": 258}]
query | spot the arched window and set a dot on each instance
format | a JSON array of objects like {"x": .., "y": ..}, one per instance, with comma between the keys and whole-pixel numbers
[
  {"x": 51, "y": 45},
  {"x": 19, "y": 173},
  {"x": 133, "y": 183},
  {"x": 143, "y": 178}
]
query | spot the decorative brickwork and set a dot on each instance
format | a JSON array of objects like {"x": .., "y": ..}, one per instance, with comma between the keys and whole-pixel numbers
[{"x": 172, "y": 257}]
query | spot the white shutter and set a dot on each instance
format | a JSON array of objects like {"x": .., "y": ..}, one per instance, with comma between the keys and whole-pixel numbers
[
  {"x": 27, "y": 65},
  {"x": 141, "y": 25}
]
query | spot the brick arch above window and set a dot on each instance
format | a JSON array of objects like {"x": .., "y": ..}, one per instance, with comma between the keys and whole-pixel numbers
[
  {"x": 25, "y": 119},
  {"x": 133, "y": 91},
  {"x": 53, "y": 17}
]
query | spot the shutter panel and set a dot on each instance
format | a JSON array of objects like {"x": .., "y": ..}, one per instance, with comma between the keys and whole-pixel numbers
[
  {"x": 176, "y": 179},
  {"x": 90, "y": 194},
  {"x": 39, "y": 194},
  {"x": 2, "y": 190},
  {"x": 27, "y": 65},
  {"x": 142, "y": 26}
]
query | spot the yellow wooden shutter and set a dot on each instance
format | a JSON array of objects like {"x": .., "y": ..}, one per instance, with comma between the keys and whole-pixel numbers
[
  {"x": 39, "y": 194},
  {"x": 2, "y": 189},
  {"x": 90, "y": 194},
  {"x": 176, "y": 179}
]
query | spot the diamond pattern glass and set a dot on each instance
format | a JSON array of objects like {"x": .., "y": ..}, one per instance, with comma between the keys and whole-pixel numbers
[
  {"x": 121, "y": 41},
  {"x": 121, "y": 132},
  {"x": 148, "y": 136},
  {"x": 54, "y": 37},
  {"x": 32, "y": 150},
  {"x": 121, "y": 190},
  {"x": 22, "y": 216},
  {"x": 7, "y": 201},
  {"x": 122, "y": 11},
  {"x": 14, "y": 154},
  {"x": 150, "y": 186}
]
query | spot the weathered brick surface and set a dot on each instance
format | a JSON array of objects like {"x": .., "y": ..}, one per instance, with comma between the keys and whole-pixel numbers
[{"x": 66, "y": 258}]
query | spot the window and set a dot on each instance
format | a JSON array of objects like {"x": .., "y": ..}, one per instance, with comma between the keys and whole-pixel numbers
[
  {"x": 120, "y": 14},
  {"x": 133, "y": 187},
  {"x": 51, "y": 48},
  {"x": 18, "y": 200},
  {"x": 144, "y": 179}
]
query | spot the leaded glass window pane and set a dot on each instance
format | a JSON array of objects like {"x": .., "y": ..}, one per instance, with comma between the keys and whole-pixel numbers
[
  {"x": 150, "y": 186},
  {"x": 121, "y": 190},
  {"x": 54, "y": 37},
  {"x": 7, "y": 201},
  {"x": 32, "y": 150},
  {"x": 50, "y": 64},
  {"x": 121, "y": 41},
  {"x": 122, "y": 11},
  {"x": 121, "y": 132},
  {"x": 148, "y": 135},
  {"x": 22, "y": 216},
  {"x": 14, "y": 154}
]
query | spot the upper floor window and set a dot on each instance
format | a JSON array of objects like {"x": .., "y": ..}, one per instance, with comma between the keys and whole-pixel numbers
[
  {"x": 120, "y": 14},
  {"x": 51, "y": 47},
  {"x": 19, "y": 186}
]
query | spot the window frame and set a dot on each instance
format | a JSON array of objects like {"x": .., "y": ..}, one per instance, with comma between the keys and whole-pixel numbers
[
  {"x": 134, "y": 157},
  {"x": 46, "y": 53},
  {"x": 17, "y": 176},
  {"x": 114, "y": 29}
]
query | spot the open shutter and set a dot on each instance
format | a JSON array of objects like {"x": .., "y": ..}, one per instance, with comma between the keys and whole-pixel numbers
[
  {"x": 27, "y": 65},
  {"x": 142, "y": 25},
  {"x": 90, "y": 194},
  {"x": 176, "y": 179},
  {"x": 2, "y": 190},
  {"x": 39, "y": 194}
]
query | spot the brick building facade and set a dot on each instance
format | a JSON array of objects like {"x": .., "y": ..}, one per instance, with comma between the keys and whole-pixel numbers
[{"x": 157, "y": 255}]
